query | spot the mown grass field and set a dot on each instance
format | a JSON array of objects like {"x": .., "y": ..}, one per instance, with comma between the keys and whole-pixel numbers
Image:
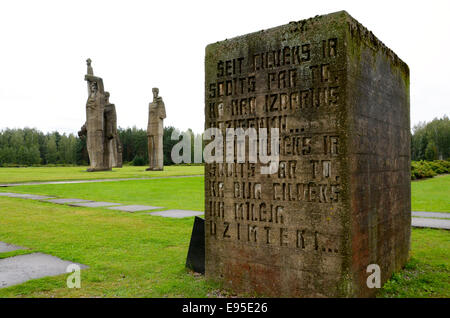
[
  {"x": 431, "y": 195},
  {"x": 129, "y": 255},
  {"x": 139, "y": 255},
  {"x": 186, "y": 193},
  {"x": 32, "y": 174}
]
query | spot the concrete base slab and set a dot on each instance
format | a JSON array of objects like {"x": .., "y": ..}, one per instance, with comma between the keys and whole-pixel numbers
[
  {"x": 431, "y": 214},
  {"x": 64, "y": 201},
  {"x": 177, "y": 213},
  {"x": 37, "y": 197},
  {"x": 5, "y": 247},
  {"x": 25, "y": 196},
  {"x": 431, "y": 223},
  {"x": 19, "y": 269},
  {"x": 94, "y": 204},
  {"x": 135, "y": 208}
]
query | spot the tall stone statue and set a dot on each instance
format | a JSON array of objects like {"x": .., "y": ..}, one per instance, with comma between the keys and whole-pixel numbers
[
  {"x": 100, "y": 129},
  {"x": 113, "y": 141},
  {"x": 155, "y": 128}
]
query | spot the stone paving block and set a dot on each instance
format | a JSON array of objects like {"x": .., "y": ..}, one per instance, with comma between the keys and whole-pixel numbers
[
  {"x": 94, "y": 204},
  {"x": 13, "y": 195},
  {"x": 5, "y": 247},
  {"x": 26, "y": 196},
  {"x": 36, "y": 197},
  {"x": 135, "y": 208},
  {"x": 431, "y": 223},
  {"x": 63, "y": 201},
  {"x": 19, "y": 269},
  {"x": 431, "y": 214},
  {"x": 177, "y": 213}
]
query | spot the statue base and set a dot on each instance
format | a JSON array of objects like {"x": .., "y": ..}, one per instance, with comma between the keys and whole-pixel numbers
[
  {"x": 98, "y": 169},
  {"x": 154, "y": 169}
]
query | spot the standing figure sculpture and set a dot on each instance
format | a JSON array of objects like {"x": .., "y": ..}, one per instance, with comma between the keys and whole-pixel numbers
[
  {"x": 100, "y": 128},
  {"x": 113, "y": 141},
  {"x": 155, "y": 130}
]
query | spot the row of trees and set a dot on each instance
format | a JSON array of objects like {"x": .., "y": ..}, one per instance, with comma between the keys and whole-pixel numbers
[
  {"x": 431, "y": 141},
  {"x": 135, "y": 147},
  {"x": 28, "y": 146}
]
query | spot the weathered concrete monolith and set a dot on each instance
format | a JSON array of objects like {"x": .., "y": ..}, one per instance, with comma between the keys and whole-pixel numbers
[{"x": 340, "y": 198}]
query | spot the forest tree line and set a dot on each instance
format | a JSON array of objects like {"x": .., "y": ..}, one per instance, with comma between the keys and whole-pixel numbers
[
  {"x": 29, "y": 146},
  {"x": 431, "y": 141}
]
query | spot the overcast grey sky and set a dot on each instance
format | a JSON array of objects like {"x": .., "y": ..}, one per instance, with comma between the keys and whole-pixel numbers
[{"x": 137, "y": 45}]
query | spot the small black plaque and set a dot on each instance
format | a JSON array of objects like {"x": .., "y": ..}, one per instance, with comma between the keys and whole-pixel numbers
[{"x": 196, "y": 254}]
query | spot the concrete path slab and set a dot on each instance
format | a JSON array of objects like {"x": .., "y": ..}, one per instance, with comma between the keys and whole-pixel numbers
[
  {"x": 431, "y": 223},
  {"x": 177, "y": 213},
  {"x": 431, "y": 214},
  {"x": 64, "y": 201},
  {"x": 5, "y": 247},
  {"x": 95, "y": 180},
  {"x": 94, "y": 204},
  {"x": 26, "y": 196},
  {"x": 135, "y": 208},
  {"x": 13, "y": 195},
  {"x": 36, "y": 197},
  {"x": 19, "y": 269}
]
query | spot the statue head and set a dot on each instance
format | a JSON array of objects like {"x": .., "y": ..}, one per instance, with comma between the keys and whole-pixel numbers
[
  {"x": 90, "y": 71},
  {"x": 155, "y": 91},
  {"x": 93, "y": 87},
  {"x": 107, "y": 97}
]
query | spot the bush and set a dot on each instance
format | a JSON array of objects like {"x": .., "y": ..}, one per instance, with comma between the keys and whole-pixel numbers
[
  {"x": 138, "y": 161},
  {"x": 427, "y": 169}
]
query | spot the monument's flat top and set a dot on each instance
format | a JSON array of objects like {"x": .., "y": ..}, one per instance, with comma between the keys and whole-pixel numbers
[{"x": 355, "y": 29}]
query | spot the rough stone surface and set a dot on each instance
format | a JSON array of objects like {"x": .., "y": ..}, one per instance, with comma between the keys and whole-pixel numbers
[
  {"x": 177, "y": 213},
  {"x": 135, "y": 208},
  {"x": 102, "y": 141},
  {"x": 431, "y": 223},
  {"x": 5, "y": 247},
  {"x": 155, "y": 130},
  {"x": 431, "y": 214},
  {"x": 340, "y": 199},
  {"x": 94, "y": 204},
  {"x": 19, "y": 269}
]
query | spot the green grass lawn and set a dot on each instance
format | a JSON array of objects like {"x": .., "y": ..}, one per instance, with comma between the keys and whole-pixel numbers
[
  {"x": 139, "y": 255},
  {"x": 16, "y": 175},
  {"x": 174, "y": 193},
  {"x": 427, "y": 274},
  {"x": 431, "y": 195},
  {"x": 129, "y": 255}
]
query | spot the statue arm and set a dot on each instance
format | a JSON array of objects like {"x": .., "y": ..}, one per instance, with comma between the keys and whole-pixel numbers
[
  {"x": 162, "y": 114},
  {"x": 83, "y": 131}
]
